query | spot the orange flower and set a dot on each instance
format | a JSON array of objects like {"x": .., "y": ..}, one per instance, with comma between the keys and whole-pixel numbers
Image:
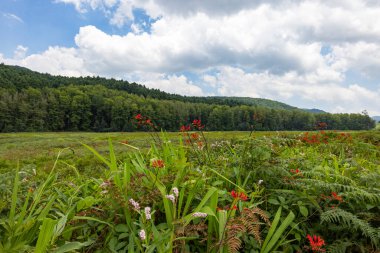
[
  {"x": 157, "y": 163},
  {"x": 316, "y": 243},
  {"x": 194, "y": 136}
]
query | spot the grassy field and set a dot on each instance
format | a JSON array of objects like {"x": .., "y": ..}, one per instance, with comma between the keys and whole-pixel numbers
[
  {"x": 218, "y": 192},
  {"x": 41, "y": 149}
]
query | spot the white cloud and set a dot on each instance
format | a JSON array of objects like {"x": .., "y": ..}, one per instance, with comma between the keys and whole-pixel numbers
[
  {"x": 177, "y": 84},
  {"x": 13, "y": 17},
  {"x": 55, "y": 60},
  {"x": 20, "y": 52},
  {"x": 259, "y": 48},
  {"x": 323, "y": 90}
]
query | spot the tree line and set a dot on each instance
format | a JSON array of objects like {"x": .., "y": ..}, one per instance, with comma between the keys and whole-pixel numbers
[{"x": 99, "y": 108}]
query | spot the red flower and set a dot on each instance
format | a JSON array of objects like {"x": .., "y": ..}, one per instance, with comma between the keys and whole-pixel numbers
[
  {"x": 157, "y": 163},
  {"x": 237, "y": 195},
  {"x": 316, "y": 243},
  {"x": 138, "y": 116},
  {"x": 336, "y": 197},
  {"x": 243, "y": 196},
  {"x": 185, "y": 128},
  {"x": 197, "y": 124},
  {"x": 194, "y": 136},
  {"x": 234, "y": 194}
]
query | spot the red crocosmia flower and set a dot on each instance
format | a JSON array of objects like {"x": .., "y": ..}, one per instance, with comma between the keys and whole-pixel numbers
[
  {"x": 138, "y": 116},
  {"x": 237, "y": 195},
  {"x": 316, "y": 243},
  {"x": 234, "y": 194},
  {"x": 336, "y": 197},
  {"x": 197, "y": 123},
  {"x": 194, "y": 136},
  {"x": 158, "y": 163},
  {"x": 185, "y": 128},
  {"x": 243, "y": 196}
]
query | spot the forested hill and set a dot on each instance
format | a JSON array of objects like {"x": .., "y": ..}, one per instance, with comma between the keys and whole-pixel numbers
[
  {"x": 18, "y": 78},
  {"x": 30, "y": 101}
]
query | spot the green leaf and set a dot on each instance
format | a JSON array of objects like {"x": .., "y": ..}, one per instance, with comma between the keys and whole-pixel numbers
[
  {"x": 71, "y": 246},
  {"x": 304, "y": 211}
]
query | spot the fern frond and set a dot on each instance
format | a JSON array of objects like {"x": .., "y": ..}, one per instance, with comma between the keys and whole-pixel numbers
[{"x": 351, "y": 221}]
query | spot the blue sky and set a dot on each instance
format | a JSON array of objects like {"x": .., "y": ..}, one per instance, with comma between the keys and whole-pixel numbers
[{"x": 309, "y": 54}]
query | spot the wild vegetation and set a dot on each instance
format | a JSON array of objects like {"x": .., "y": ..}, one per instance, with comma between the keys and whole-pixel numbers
[
  {"x": 30, "y": 101},
  {"x": 309, "y": 192}
]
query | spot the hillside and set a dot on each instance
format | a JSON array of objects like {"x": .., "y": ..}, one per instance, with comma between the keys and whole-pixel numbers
[
  {"x": 31, "y": 101},
  {"x": 377, "y": 118},
  {"x": 16, "y": 77}
]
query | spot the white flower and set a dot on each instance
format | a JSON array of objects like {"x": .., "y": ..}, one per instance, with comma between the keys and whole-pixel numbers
[
  {"x": 175, "y": 191},
  {"x": 199, "y": 214},
  {"x": 147, "y": 213},
  {"x": 142, "y": 234},
  {"x": 170, "y": 197},
  {"x": 261, "y": 181},
  {"x": 135, "y": 205}
]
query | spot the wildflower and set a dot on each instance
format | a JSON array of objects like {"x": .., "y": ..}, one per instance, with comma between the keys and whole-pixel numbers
[
  {"x": 241, "y": 195},
  {"x": 147, "y": 213},
  {"x": 175, "y": 191},
  {"x": 135, "y": 205},
  {"x": 260, "y": 181},
  {"x": 142, "y": 234},
  {"x": 199, "y": 214},
  {"x": 316, "y": 242},
  {"x": 194, "y": 136},
  {"x": 185, "y": 128},
  {"x": 234, "y": 194},
  {"x": 170, "y": 197},
  {"x": 197, "y": 124},
  {"x": 138, "y": 117},
  {"x": 336, "y": 197},
  {"x": 157, "y": 163}
]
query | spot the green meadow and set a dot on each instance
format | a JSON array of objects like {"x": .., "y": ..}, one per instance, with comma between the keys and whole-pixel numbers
[{"x": 190, "y": 191}]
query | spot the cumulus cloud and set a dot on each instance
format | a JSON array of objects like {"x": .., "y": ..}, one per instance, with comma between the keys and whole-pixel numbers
[
  {"x": 320, "y": 88},
  {"x": 259, "y": 48}
]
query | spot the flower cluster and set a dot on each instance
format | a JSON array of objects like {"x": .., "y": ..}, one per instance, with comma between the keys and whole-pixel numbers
[
  {"x": 135, "y": 205},
  {"x": 170, "y": 197},
  {"x": 142, "y": 234},
  {"x": 185, "y": 128},
  {"x": 148, "y": 215},
  {"x": 332, "y": 197},
  {"x": 316, "y": 243},
  {"x": 315, "y": 138},
  {"x": 144, "y": 121},
  {"x": 239, "y": 195},
  {"x": 175, "y": 191},
  {"x": 197, "y": 124},
  {"x": 199, "y": 214},
  {"x": 157, "y": 163}
]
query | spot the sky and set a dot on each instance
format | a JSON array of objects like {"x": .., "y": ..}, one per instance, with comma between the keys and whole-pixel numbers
[{"x": 306, "y": 53}]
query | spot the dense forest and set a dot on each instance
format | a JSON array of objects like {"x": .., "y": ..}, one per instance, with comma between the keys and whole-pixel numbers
[{"x": 30, "y": 101}]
